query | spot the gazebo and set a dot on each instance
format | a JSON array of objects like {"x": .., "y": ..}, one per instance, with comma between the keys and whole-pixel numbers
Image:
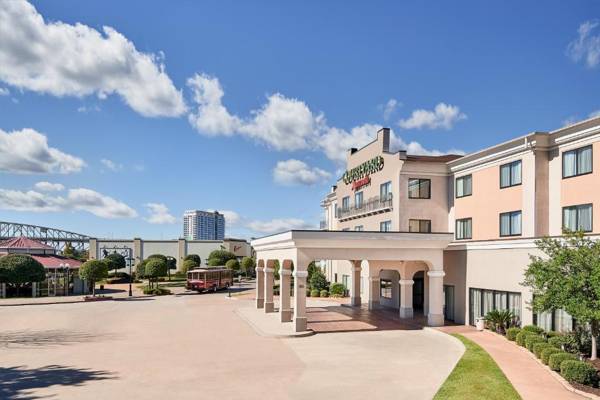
[{"x": 61, "y": 272}]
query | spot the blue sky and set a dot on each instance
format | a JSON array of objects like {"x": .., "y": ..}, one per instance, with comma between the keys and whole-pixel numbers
[{"x": 247, "y": 107}]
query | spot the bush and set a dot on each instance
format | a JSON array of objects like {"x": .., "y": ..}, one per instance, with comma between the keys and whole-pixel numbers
[
  {"x": 547, "y": 352},
  {"x": 533, "y": 339},
  {"x": 551, "y": 334},
  {"x": 539, "y": 347},
  {"x": 188, "y": 265},
  {"x": 500, "y": 320},
  {"x": 194, "y": 258},
  {"x": 521, "y": 336},
  {"x": 93, "y": 271},
  {"x": 156, "y": 291},
  {"x": 534, "y": 329},
  {"x": 21, "y": 268},
  {"x": 557, "y": 341},
  {"x": 324, "y": 293},
  {"x": 314, "y": 293},
  {"x": 308, "y": 293},
  {"x": 511, "y": 333},
  {"x": 233, "y": 264},
  {"x": 217, "y": 258},
  {"x": 336, "y": 290},
  {"x": 556, "y": 359},
  {"x": 579, "y": 371},
  {"x": 318, "y": 281},
  {"x": 247, "y": 265}
]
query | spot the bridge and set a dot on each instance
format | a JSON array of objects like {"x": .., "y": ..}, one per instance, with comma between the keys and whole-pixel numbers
[{"x": 56, "y": 238}]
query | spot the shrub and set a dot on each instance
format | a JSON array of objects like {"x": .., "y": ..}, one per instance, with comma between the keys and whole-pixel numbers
[
  {"x": 155, "y": 268},
  {"x": 551, "y": 334},
  {"x": 511, "y": 333},
  {"x": 92, "y": 271},
  {"x": 219, "y": 257},
  {"x": 521, "y": 336},
  {"x": 308, "y": 293},
  {"x": 579, "y": 371},
  {"x": 557, "y": 341},
  {"x": 314, "y": 293},
  {"x": 247, "y": 265},
  {"x": 539, "y": 347},
  {"x": 534, "y": 329},
  {"x": 556, "y": 359},
  {"x": 533, "y": 339},
  {"x": 336, "y": 290},
  {"x": 547, "y": 352},
  {"x": 233, "y": 264},
  {"x": 195, "y": 258},
  {"x": 318, "y": 281},
  {"x": 156, "y": 291},
  {"x": 188, "y": 265},
  {"x": 324, "y": 293},
  {"x": 500, "y": 320}
]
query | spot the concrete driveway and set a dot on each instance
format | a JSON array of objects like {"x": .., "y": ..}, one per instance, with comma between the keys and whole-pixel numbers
[{"x": 196, "y": 346}]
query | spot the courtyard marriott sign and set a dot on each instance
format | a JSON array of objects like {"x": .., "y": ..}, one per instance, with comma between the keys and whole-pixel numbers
[{"x": 360, "y": 176}]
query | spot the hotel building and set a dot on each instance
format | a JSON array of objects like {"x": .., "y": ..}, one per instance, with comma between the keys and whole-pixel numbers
[
  {"x": 450, "y": 236},
  {"x": 203, "y": 225}
]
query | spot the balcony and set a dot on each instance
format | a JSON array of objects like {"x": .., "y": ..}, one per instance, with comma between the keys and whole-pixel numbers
[{"x": 372, "y": 206}]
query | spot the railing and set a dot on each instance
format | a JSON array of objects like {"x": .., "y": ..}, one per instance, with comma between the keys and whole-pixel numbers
[{"x": 373, "y": 205}]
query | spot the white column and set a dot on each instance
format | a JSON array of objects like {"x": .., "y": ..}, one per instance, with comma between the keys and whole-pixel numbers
[
  {"x": 300, "y": 321},
  {"x": 406, "y": 298},
  {"x": 34, "y": 289},
  {"x": 260, "y": 287},
  {"x": 436, "y": 298},
  {"x": 285, "y": 312},
  {"x": 269, "y": 278},
  {"x": 373, "y": 292},
  {"x": 355, "y": 292}
]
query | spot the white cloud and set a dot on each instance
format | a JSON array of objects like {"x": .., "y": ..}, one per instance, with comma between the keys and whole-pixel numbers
[
  {"x": 111, "y": 165},
  {"x": 77, "y": 199},
  {"x": 49, "y": 187},
  {"x": 443, "y": 116},
  {"x": 231, "y": 217},
  {"x": 76, "y": 60},
  {"x": 4, "y": 91},
  {"x": 390, "y": 108},
  {"x": 278, "y": 225},
  {"x": 296, "y": 172},
  {"x": 587, "y": 46},
  {"x": 594, "y": 114},
  {"x": 84, "y": 109},
  {"x": 27, "y": 151},
  {"x": 159, "y": 214}
]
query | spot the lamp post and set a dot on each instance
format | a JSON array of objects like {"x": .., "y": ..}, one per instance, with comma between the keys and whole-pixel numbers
[{"x": 130, "y": 262}]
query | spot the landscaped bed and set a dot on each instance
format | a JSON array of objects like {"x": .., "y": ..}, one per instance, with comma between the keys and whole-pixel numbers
[{"x": 476, "y": 376}]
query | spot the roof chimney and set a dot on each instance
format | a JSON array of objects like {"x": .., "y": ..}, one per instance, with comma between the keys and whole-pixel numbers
[
  {"x": 402, "y": 154},
  {"x": 383, "y": 136}
]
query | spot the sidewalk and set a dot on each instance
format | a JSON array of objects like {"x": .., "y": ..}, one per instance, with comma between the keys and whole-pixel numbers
[{"x": 526, "y": 374}]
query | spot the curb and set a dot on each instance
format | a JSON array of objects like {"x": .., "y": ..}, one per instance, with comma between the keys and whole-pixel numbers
[
  {"x": 70, "y": 301},
  {"x": 307, "y": 333}
]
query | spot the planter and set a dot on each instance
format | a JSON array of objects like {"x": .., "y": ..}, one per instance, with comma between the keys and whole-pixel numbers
[{"x": 480, "y": 324}]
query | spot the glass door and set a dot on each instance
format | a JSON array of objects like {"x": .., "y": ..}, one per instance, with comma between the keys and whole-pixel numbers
[{"x": 449, "y": 302}]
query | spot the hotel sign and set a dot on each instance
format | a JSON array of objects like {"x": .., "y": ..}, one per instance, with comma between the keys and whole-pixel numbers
[{"x": 361, "y": 176}]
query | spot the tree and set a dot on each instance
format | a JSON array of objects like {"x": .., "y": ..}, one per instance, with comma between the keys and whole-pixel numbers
[
  {"x": 247, "y": 264},
  {"x": 70, "y": 252},
  {"x": 92, "y": 271},
  {"x": 155, "y": 268},
  {"x": 195, "y": 258},
  {"x": 569, "y": 279},
  {"x": 140, "y": 270},
  {"x": 17, "y": 269},
  {"x": 188, "y": 265},
  {"x": 115, "y": 261},
  {"x": 233, "y": 265},
  {"x": 318, "y": 281},
  {"x": 312, "y": 268},
  {"x": 220, "y": 257}
]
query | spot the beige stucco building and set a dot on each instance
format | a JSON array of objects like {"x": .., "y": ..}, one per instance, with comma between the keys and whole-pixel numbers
[{"x": 448, "y": 236}]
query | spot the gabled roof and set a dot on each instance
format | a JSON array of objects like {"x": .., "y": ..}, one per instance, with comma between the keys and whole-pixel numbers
[{"x": 22, "y": 242}]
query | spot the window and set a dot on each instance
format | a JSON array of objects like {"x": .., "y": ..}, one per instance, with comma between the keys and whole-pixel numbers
[
  {"x": 359, "y": 228},
  {"x": 385, "y": 191},
  {"x": 577, "y": 162},
  {"x": 345, "y": 280},
  {"x": 419, "y": 225},
  {"x": 419, "y": 188},
  {"x": 578, "y": 218},
  {"x": 464, "y": 186},
  {"x": 346, "y": 203},
  {"x": 385, "y": 288},
  {"x": 464, "y": 228},
  {"x": 510, "y": 174},
  {"x": 335, "y": 277},
  {"x": 358, "y": 200},
  {"x": 385, "y": 226},
  {"x": 510, "y": 223},
  {"x": 482, "y": 301}
]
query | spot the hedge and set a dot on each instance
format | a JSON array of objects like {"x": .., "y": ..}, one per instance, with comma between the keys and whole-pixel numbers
[
  {"x": 324, "y": 293},
  {"x": 534, "y": 329},
  {"x": 314, "y": 293},
  {"x": 336, "y": 290},
  {"x": 521, "y": 336},
  {"x": 533, "y": 339},
  {"x": 557, "y": 341},
  {"x": 579, "y": 371},
  {"x": 539, "y": 347},
  {"x": 511, "y": 333},
  {"x": 547, "y": 352},
  {"x": 556, "y": 359}
]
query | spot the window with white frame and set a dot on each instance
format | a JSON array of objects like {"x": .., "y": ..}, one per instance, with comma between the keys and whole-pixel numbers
[
  {"x": 358, "y": 200},
  {"x": 578, "y": 218},
  {"x": 346, "y": 203},
  {"x": 577, "y": 162},
  {"x": 464, "y": 228},
  {"x": 385, "y": 226},
  {"x": 464, "y": 186},
  {"x": 510, "y": 174},
  {"x": 510, "y": 223},
  {"x": 385, "y": 191}
]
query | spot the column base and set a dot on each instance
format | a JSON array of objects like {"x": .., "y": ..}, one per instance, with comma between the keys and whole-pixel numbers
[
  {"x": 285, "y": 315},
  {"x": 269, "y": 307},
  {"x": 373, "y": 305},
  {"x": 355, "y": 301},
  {"x": 260, "y": 303},
  {"x": 300, "y": 324},
  {"x": 406, "y": 312},
  {"x": 435, "y": 319}
]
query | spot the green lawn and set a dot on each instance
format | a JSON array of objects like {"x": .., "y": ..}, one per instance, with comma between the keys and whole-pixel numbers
[{"x": 476, "y": 376}]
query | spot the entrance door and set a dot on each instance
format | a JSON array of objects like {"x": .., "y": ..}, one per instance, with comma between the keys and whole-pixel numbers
[
  {"x": 449, "y": 302},
  {"x": 418, "y": 294}
]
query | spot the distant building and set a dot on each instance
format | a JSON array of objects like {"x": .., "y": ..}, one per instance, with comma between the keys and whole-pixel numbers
[{"x": 203, "y": 225}]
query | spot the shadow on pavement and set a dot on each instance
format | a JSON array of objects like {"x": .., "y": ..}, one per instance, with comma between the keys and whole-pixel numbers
[
  {"x": 52, "y": 337},
  {"x": 18, "y": 382}
]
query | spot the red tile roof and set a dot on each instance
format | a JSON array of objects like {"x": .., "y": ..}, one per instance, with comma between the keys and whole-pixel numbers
[
  {"x": 22, "y": 242},
  {"x": 52, "y": 262}
]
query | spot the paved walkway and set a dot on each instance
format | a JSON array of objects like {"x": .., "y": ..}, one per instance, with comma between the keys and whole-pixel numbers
[{"x": 530, "y": 379}]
